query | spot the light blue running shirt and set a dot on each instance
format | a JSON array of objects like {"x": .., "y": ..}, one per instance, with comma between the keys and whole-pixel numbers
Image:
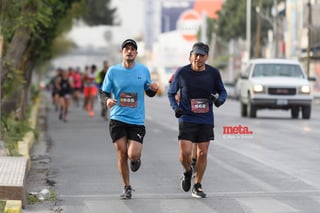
[{"x": 128, "y": 88}]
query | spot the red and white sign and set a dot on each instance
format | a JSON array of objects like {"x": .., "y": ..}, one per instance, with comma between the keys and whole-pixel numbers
[{"x": 188, "y": 24}]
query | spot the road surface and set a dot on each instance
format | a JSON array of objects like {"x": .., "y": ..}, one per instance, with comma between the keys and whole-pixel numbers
[{"x": 274, "y": 169}]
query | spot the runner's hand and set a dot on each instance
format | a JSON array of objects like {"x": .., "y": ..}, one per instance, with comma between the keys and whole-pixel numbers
[
  {"x": 178, "y": 113},
  {"x": 111, "y": 102},
  {"x": 215, "y": 98},
  {"x": 153, "y": 86}
]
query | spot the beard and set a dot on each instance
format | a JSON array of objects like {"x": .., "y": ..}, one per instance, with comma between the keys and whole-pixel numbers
[{"x": 130, "y": 60}]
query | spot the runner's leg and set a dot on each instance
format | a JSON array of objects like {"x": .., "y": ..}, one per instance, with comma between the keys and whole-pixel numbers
[
  {"x": 122, "y": 154},
  {"x": 67, "y": 105},
  {"x": 62, "y": 107},
  {"x": 134, "y": 150},
  {"x": 201, "y": 164},
  {"x": 185, "y": 154}
]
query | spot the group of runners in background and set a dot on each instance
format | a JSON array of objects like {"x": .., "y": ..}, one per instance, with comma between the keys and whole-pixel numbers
[{"x": 72, "y": 85}]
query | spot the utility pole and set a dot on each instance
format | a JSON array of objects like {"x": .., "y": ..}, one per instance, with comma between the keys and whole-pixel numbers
[
  {"x": 248, "y": 28},
  {"x": 275, "y": 28},
  {"x": 309, "y": 37},
  {"x": 1, "y": 45},
  {"x": 257, "y": 52}
]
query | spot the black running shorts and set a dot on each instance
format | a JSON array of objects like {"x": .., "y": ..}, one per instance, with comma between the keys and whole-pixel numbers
[
  {"x": 196, "y": 133},
  {"x": 120, "y": 129}
]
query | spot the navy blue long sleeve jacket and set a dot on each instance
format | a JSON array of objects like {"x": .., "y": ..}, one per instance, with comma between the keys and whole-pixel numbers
[{"x": 196, "y": 85}]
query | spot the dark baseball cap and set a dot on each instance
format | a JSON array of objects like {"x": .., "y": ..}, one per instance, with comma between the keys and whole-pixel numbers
[
  {"x": 200, "y": 48},
  {"x": 129, "y": 41}
]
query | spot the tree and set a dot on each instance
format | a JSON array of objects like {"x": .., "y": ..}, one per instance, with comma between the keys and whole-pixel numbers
[
  {"x": 98, "y": 13},
  {"x": 231, "y": 23},
  {"x": 29, "y": 29}
]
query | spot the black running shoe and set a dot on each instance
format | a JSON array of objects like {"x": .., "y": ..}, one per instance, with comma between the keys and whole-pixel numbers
[
  {"x": 135, "y": 165},
  {"x": 186, "y": 180},
  {"x": 127, "y": 193},
  {"x": 197, "y": 191}
]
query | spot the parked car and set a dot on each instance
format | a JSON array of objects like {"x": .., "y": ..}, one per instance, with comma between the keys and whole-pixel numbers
[{"x": 275, "y": 84}]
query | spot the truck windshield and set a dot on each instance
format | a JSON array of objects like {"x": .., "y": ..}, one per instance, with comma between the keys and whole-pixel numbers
[{"x": 277, "y": 70}]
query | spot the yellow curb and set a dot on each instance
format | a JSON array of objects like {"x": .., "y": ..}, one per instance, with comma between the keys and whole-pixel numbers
[
  {"x": 13, "y": 206},
  {"x": 34, "y": 113},
  {"x": 27, "y": 141},
  {"x": 25, "y": 145}
]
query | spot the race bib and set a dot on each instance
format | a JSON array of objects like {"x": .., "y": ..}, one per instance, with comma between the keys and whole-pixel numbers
[
  {"x": 128, "y": 99},
  {"x": 200, "y": 105}
]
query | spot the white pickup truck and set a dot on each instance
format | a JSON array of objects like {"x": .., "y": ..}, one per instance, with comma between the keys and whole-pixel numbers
[{"x": 275, "y": 84}]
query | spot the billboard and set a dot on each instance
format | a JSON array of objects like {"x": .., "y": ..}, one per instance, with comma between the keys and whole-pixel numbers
[{"x": 185, "y": 16}]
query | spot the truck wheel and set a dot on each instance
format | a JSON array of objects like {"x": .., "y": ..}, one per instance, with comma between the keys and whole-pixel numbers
[
  {"x": 294, "y": 112},
  {"x": 251, "y": 109},
  {"x": 306, "y": 112},
  {"x": 243, "y": 109}
]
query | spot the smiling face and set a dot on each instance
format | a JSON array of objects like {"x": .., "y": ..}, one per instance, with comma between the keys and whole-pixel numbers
[
  {"x": 198, "y": 56},
  {"x": 198, "y": 61}
]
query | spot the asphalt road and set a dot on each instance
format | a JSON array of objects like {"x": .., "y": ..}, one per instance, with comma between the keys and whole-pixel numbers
[{"x": 275, "y": 169}]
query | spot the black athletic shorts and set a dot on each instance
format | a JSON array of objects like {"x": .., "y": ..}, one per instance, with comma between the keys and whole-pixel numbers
[
  {"x": 196, "y": 133},
  {"x": 54, "y": 92},
  {"x": 119, "y": 129}
]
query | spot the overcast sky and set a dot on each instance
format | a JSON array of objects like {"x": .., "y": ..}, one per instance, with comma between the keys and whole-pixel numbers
[{"x": 131, "y": 13}]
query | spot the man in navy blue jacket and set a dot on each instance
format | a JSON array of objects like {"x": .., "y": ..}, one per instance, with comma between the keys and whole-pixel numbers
[{"x": 200, "y": 87}]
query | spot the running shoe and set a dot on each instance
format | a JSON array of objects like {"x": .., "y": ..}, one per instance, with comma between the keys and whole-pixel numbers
[
  {"x": 127, "y": 193},
  {"x": 186, "y": 180},
  {"x": 197, "y": 191},
  {"x": 135, "y": 165},
  {"x": 91, "y": 113}
]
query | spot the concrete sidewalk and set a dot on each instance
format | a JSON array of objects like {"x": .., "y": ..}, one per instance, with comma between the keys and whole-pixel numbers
[{"x": 14, "y": 170}]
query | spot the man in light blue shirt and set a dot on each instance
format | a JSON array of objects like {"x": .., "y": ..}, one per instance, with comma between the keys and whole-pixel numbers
[{"x": 124, "y": 89}]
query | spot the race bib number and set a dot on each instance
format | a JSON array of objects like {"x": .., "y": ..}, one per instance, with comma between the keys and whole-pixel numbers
[
  {"x": 200, "y": 105},
  {"x": 128, "y": 99}
]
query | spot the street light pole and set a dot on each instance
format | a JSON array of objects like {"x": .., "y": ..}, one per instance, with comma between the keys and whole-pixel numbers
[
  {"x": 309, "y": 37},
  {"x": 1, "y": 42},
  {"x": 275, "y": 28},
  {"x": 257, "y": 52}
]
